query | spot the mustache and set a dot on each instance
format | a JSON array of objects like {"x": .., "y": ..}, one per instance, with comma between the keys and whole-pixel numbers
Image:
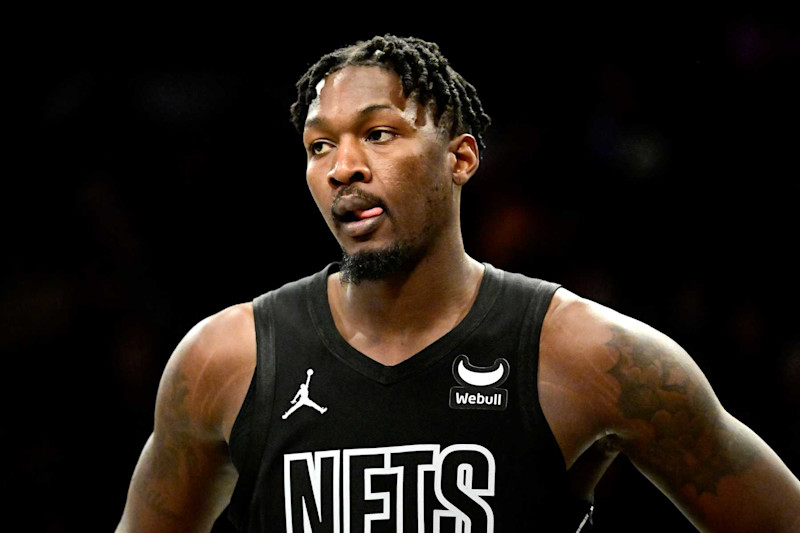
[{"x": 353, "y": 191}]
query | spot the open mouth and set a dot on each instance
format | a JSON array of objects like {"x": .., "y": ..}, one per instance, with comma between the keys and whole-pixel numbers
[
  {"x": 356, "y": 206},
  {"x": 360, "y": 214}
]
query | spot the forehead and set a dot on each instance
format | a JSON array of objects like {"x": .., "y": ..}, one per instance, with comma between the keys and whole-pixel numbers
[{"x": 354, "y": 89}]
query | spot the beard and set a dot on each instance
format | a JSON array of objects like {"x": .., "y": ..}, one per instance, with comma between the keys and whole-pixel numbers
[{"x": 374, "y": 265}]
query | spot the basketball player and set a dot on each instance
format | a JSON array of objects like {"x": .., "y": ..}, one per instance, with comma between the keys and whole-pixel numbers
[{"x": 457, "y": 397}]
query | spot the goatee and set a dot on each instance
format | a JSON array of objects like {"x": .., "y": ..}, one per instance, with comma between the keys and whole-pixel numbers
[{"x": 373, "y": 265}]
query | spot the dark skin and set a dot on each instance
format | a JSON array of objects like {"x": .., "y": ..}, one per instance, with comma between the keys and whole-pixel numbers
[{"x": 608, "y": 384}]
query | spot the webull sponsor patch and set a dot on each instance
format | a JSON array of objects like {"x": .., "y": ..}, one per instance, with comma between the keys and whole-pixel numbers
[{"x": 479, "y": 386}]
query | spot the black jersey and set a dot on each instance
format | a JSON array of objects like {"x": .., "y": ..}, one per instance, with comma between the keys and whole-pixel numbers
[{"x": 451, "y": 440}]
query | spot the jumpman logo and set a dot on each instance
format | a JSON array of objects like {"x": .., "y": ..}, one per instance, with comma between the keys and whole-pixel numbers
[{"x": 301, "y": 398}]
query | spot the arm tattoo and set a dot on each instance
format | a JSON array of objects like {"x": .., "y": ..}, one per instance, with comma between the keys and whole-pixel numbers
[
  {"x": 689, "y": 445},
  {"x": 174, "y": 455}
]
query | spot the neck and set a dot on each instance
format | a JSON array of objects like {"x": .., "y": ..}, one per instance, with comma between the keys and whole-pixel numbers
[{"x": 391, "y": 319}]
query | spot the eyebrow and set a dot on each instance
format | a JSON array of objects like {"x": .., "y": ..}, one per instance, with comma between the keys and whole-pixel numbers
[{"x": 317, "y": 121}]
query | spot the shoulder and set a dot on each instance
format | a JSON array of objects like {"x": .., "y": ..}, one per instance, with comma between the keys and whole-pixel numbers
[
  {"x": 585, "y": 331},
  {"x": 211, "y": 368},
  {"x": 575, "y": 332},
  {"x": 222, "y": 339},
  {"x": 223, "y": 332}
]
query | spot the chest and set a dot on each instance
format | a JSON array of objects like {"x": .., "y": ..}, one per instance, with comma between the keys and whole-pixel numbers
[
  {"x": 452, "y": 432},
  {"x": 452, "y": 436}
]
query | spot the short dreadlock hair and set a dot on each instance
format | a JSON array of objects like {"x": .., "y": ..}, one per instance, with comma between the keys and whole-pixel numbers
[{"x": 424, "y": 72}]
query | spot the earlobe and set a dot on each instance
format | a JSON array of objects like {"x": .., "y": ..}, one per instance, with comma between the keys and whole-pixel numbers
[{"x": 465, "y": 158}]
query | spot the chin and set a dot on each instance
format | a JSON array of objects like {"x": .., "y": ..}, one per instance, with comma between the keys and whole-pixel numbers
[{"x": 379, "y": 262}]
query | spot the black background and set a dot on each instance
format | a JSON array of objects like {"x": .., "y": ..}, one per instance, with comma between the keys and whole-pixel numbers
[{"x": 646, "y": 160}]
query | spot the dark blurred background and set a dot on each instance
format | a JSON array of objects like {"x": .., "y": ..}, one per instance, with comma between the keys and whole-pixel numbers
[{"x": 648, "y": 161}]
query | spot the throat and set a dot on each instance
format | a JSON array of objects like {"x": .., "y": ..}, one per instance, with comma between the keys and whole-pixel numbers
[{"x": 390, "y": 323}]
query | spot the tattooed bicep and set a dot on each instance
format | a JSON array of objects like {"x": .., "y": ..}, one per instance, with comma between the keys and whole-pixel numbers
[{"x": 682, "y": 437}]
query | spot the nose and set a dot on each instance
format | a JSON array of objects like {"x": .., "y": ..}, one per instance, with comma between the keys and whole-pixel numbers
[{"x": 350, "y": 164}]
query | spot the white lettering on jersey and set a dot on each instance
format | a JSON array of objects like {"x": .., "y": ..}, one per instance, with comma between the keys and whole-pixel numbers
[
  {"x": 312, "y": 468},
  {"x": 437, "y": 490},
  {"x": 466, "y": 484}
]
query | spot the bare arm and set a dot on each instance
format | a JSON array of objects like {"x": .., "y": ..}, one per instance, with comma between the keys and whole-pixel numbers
[
  {"x": 720, "y": 474},
  {"x": 606, "y": 376},
  {"x": 184, "y": 477}
]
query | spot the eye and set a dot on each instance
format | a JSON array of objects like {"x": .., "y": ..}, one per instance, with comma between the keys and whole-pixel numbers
[
  {"x": 318, "y": 148},
  {"x": 380, "y": 136}
]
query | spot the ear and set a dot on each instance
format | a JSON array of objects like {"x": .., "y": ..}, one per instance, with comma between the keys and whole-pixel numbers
[{"x": 464, "y": 158}]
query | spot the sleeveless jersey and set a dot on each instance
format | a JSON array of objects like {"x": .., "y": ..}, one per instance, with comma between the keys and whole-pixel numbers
[{"x": 451, "y": 440}]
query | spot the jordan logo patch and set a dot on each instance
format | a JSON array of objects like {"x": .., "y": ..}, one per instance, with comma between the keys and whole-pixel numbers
[
  {"x": 301, "y": 398},
  {"x": 479, "y": 385}
]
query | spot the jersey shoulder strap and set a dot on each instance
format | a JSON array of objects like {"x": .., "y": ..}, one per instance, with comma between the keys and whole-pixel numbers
[{"x": 250, "y": 430}]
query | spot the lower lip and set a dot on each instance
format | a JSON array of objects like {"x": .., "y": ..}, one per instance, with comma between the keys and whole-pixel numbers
[{"x": 360, "y": 228}]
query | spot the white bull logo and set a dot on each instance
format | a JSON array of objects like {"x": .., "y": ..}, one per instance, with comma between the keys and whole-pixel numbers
[{"x": 479, "y": 385}]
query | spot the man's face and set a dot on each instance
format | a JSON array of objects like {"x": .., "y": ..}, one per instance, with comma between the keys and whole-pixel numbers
[{"x": 378, "y": 166}]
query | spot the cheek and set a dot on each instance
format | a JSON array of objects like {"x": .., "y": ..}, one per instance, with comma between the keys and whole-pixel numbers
[
  {"x": 420, "y": 190},
  {"x": 406, "y": 178},
  {"x": 320, "y": 192},
  {"x": 424, "y": 170}
]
